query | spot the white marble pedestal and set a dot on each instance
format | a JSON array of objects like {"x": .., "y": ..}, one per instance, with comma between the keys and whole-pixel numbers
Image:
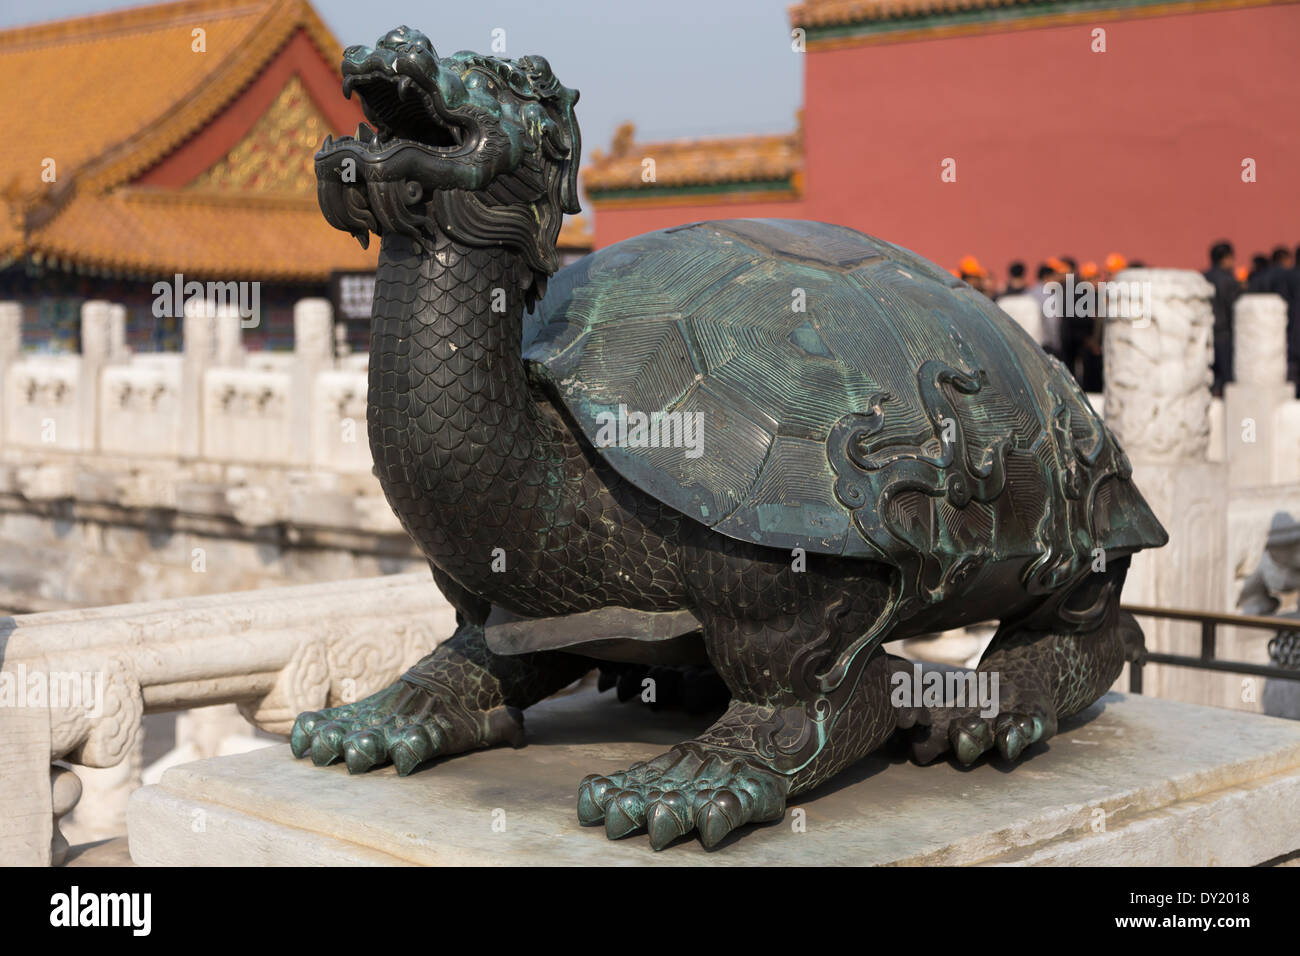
[{"x": 1134, "y": 781}]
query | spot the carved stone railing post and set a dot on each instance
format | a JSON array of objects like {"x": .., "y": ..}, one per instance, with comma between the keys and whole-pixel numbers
[
  {"x": 11, "y": 346},
  {"x": 228, "y": 330},
  {"x": 1259, "y": 388},
  {"x": 200, "y": 354},
  {"x": 313, "y": 352},
  {"x": 1158, "y": 355},
  {"x": 97, "y": 351},
  {"x": 96, "y": 344},
  {"x": 118, "y": 350}
]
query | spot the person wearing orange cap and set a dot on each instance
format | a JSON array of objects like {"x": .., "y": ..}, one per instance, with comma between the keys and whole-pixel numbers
[
  {"x": 1091, "y": 363},
  {"x": 1226, "y": 289},
  {"x": 1115, "y": 263},
  {"x": 976, "y": 276}
]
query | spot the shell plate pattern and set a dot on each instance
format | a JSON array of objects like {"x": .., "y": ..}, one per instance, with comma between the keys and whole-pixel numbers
[{"x": 898, "y": 415}]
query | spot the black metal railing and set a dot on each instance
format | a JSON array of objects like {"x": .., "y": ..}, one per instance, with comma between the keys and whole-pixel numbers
[{"x": 1207, "y": 660}]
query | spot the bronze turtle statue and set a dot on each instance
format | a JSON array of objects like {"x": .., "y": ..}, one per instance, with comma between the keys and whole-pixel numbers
[{"x": 770, "y": 445}]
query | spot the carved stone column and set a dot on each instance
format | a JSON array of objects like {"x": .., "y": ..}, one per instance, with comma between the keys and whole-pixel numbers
[
  {"x": 1158, "y": 379},
  {"x": 11, "y": 346},
  {"x": 313, "y": 353},
  {"x": 1259, "y": 390},
  {"x": 118, "y": 350},
  {"x": 200, "y": 354},
  {"x": 96, "y": 352},
  {"x": 229, "y": 331},
  {"x": 1158, "y": 367}
]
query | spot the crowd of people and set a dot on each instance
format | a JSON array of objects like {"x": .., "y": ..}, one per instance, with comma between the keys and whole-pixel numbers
[
  {"x": 1076, "y": 337},
  {"x": 1279, "y": 274}
]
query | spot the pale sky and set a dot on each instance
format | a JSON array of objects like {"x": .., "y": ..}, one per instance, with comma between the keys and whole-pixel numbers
[{"x": 677, "y": 68}]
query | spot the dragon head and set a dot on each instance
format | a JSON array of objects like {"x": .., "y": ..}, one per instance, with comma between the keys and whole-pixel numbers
[{"x": 482, "y": 148}]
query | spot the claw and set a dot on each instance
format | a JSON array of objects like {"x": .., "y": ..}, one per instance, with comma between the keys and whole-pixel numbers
[
  {"x": 1011, "y": 741},
  {"x": 970, "y": 741},
  {"x": 717, "y": 814},
  {"x": 668, "y": 818},
  {"x": 624, "y": 814},
  {"x": 363, "y": 750},
  {"x": 591, "y": 792},
  {"x": 1036, "y": 729},
  {"x": 300, "y": 736},
  {"x": 326, "y": 745},
  {"x": 412, "y": 747}
]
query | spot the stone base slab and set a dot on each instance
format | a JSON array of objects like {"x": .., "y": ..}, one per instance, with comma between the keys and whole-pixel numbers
[{"x": 1132, "y": 781}]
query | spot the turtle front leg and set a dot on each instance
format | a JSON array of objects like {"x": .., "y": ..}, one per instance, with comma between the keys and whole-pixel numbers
[
  {"x": 743, "y": 768},
  {"x": 461, "y": 697}
]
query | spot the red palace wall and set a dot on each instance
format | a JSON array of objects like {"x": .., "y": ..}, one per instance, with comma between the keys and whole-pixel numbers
[{"x": 1060, "y": 151}]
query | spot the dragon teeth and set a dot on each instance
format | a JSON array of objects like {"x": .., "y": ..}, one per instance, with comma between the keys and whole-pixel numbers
[{"x": 364, "y": 133}]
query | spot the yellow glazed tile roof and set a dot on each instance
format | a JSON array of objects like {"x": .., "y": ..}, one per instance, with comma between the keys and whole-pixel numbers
[
  {"x": 105, "y": 97},
  {"x": 125, "y": 88},
  {"x": 825, "y": 13},
  {"x": 108, "y": 96},
  {"x": 737, "y": 159},
  {"x": 157, "y": 232}
]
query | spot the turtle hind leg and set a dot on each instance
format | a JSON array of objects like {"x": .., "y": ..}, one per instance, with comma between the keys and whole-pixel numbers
[{"x": 1047, "y": 667}]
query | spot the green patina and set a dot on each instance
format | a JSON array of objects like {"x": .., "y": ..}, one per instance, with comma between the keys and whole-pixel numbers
[{"x": 875, "y": 451}]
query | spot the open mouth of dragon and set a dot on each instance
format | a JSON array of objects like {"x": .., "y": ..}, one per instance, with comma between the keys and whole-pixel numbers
[{"x": 404, "y": 114}]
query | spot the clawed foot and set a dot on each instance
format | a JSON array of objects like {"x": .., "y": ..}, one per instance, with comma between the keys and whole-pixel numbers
[
  {"x": 1010, "y": 732},
  {"x": 692, "y": 787},
  {"x": 404, "y": 724},
  {"x": 1024, "y": 720}
]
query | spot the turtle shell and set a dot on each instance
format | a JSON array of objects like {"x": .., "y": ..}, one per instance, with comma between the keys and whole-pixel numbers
[{"x": 851, "y": 398}]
